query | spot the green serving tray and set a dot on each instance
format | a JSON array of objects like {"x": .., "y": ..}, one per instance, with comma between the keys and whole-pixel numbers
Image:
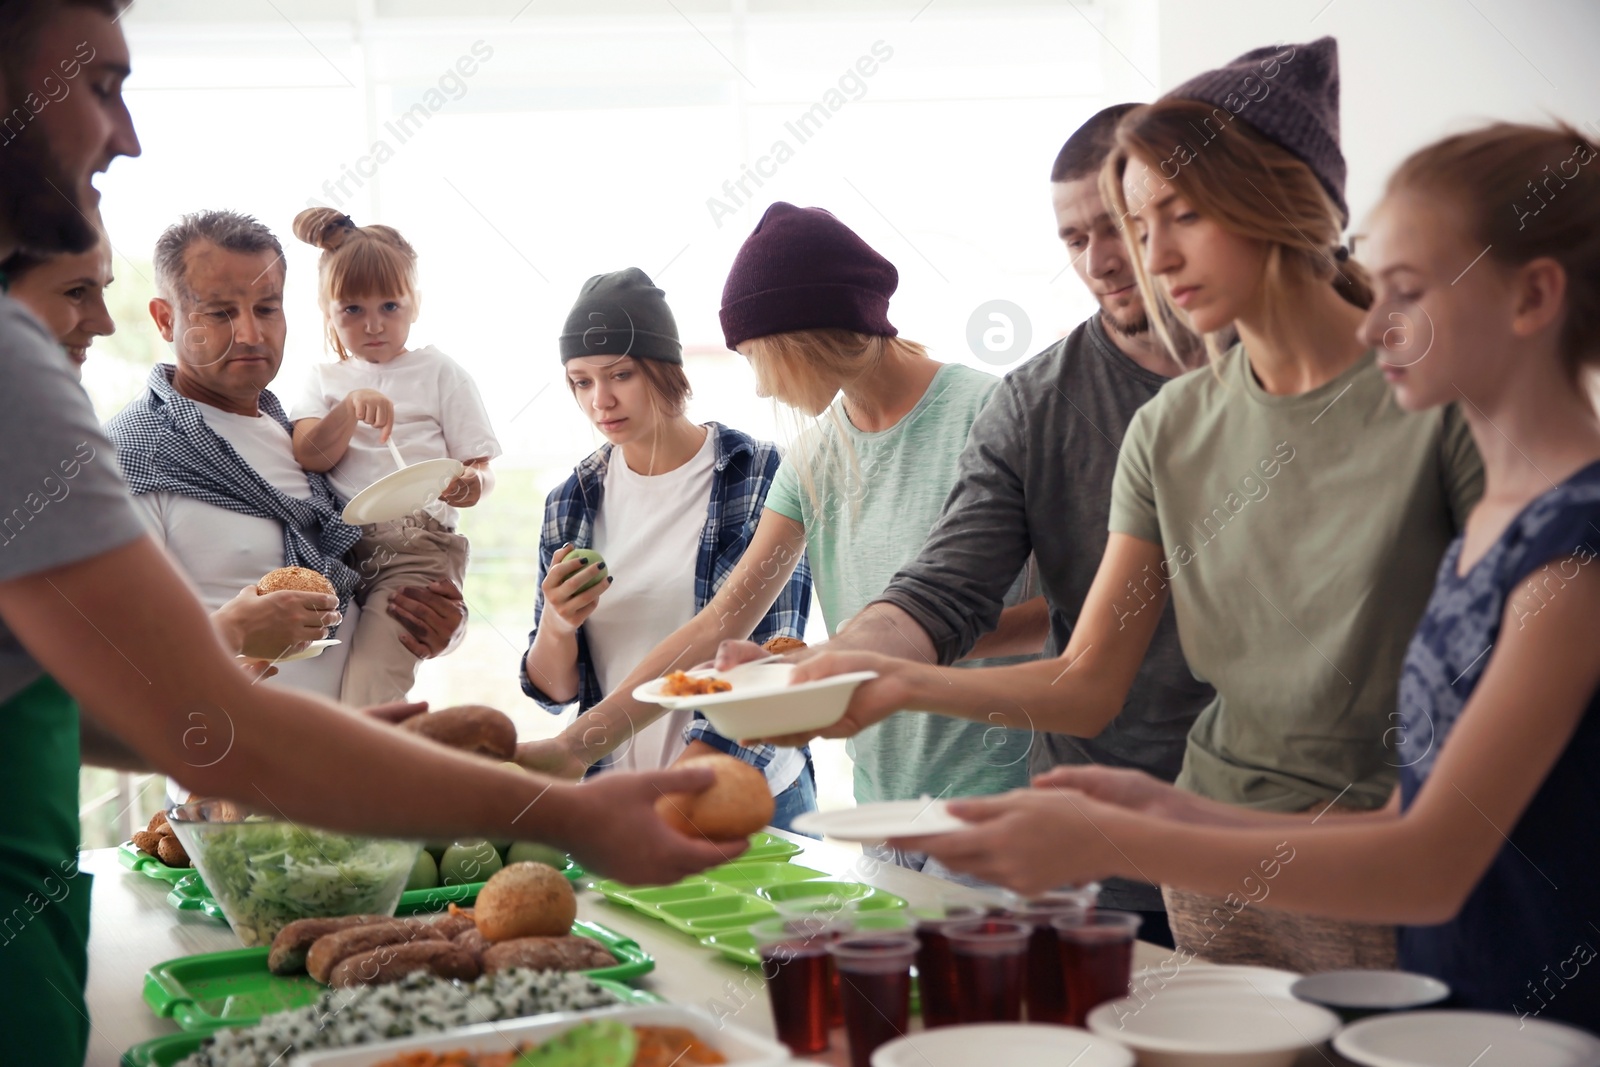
[
  {"x": 234, "y": 988},
  {"x": 190, "y": 893},
  {"x": 698, "y": 917},
  {"x": 746, "y": 877},
  {"x": 765, "y": 848},
  {"x": 129, "y": 855},
  {"x": 166, "y": 1051},
  {"x": 739, "y": 944}
]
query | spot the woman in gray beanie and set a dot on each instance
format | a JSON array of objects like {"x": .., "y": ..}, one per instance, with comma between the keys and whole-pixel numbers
[
  {"x": 1292, "y": 511},
  {"x": 670, "y": 506}
]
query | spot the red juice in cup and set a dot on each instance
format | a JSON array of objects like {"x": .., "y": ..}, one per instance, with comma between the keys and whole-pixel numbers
[
  {"x": 1096, "y": 959},
  {"x": 875, "y": 986},
  {"x": 1046, "y": 994},
  {"x": 799, "y": 974},
  {"x": 936, "y": 975},
  {"x": 990, "y": 963}
]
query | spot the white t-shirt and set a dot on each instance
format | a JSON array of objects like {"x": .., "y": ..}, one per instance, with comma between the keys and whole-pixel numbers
[
  {"x": 438, "y": 414},
  {"x": 648, "y": 528},
  {"x": 223, "y": 551}
]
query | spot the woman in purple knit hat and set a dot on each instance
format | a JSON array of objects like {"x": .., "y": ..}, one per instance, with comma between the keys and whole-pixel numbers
[{"x": 807, "y": 301}]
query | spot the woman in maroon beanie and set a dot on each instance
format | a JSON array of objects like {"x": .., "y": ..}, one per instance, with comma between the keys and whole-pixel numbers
[{"x": 807, "y": 301}]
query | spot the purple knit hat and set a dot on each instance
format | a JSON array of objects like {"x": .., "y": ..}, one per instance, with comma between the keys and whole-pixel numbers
[
  {"x": 1299, "y": 110},
  {"x": 803, "y": 269}
]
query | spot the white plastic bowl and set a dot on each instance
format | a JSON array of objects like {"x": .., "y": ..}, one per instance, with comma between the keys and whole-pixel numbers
[
  {"x": 740, "y": 1047},
  {"x": 1371, "y": 991},
  {"x": 1454, "y": 1038},
  {"x": 1214, "y": 1027},
  {"x": 1010, "y": 1044},
  {"x": 762, "y": 703}
]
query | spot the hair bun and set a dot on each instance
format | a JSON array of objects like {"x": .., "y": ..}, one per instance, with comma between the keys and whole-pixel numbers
[{"x": 324, "y": 227}]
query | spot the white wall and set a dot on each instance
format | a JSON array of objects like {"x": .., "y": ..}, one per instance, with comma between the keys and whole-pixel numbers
[{"x": 1411, "y": 70}]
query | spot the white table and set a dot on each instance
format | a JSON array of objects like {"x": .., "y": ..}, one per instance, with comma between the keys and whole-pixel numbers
[{"x": 133, "y": 929}]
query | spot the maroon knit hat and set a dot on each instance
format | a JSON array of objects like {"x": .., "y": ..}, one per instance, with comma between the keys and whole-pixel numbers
[
  {"x": 803, "y": 269},
  {"x": 1299, "y": 110}
]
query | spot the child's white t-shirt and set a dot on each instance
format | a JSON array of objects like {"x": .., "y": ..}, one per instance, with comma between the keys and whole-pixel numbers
[{"x": 438, "y": 414}]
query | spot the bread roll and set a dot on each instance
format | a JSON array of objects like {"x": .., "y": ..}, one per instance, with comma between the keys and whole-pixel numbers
[
  {"x": 471, "y": 728},
  {"x": 301, "y": 578},
  {"x": 737, "y": 804},
  {"x": 523, "y": 900}
]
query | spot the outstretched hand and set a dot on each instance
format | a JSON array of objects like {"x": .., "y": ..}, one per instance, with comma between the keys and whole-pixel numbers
[
  {"x": 1029, "y": 840},
  {"x": 628, "y": 841},
  {"x": 873, "y": 701}
]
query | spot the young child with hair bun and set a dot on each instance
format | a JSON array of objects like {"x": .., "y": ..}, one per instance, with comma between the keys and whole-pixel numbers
[{"x": 377, "y": 391}]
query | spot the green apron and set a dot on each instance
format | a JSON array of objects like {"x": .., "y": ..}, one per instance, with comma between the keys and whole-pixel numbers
[{"x": 44, "y": 901}]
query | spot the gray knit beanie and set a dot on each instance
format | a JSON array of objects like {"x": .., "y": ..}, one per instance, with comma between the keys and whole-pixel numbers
[{"x": 1290, "y": 93}]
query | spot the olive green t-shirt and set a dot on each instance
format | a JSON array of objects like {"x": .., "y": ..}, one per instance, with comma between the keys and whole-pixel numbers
[
  {"x": 1301, "y": 536},
  {"x": 875, "y": 515}
]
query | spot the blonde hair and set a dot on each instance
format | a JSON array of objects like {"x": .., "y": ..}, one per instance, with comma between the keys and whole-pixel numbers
[
  {"x": 356, "y": 262},
  {"x": 1247, "y": 184},
  {"x": 803, "y": 370},
  {"x": 1510, "y": 181}
]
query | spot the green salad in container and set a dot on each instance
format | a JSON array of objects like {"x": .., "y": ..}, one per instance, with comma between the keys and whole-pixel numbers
[{"x": 265, "y": 873}]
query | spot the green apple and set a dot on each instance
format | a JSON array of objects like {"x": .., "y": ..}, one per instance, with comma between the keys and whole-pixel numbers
[
  {"x": 468, "y": 861},
  {"x": 424, "y": 873},
  {"x": 533, "y": 852},
  {"x": 590, "y": 557}
]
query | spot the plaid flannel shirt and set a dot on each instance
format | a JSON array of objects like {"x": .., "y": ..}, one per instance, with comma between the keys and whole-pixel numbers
[
  {"x": 164, "y": 446},
  {"x": 741, "y": 475}
]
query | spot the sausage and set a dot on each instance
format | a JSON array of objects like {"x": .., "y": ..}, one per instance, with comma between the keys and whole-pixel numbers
[
  {"x": 329, "y": 949},
  {"x": 473, "y": 941},
  {"x": 471, "y": 728},
  {"x": 453, "y": 925},
  {"x": 289, "y": 948},
  {"x": 565, "y": 953},
  {"x": 390, "y": 963}
]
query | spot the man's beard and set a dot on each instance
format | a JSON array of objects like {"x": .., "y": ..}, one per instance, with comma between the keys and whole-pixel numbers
[
  {"x": 1131, "y": 328},
  {"x": 38, "y": 202}
]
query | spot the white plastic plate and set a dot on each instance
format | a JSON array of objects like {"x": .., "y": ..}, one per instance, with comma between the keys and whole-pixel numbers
[
  {"x": 1483, "y": 1039},
  {"x": 871, "y": 823},
  {"x": 394, "y": 496}
]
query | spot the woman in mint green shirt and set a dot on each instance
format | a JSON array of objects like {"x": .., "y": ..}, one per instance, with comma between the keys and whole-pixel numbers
[{"x": 807, "y": 302}]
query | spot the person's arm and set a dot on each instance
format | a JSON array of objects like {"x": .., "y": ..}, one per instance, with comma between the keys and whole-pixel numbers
[
  {"x": 955, "y": 590},
  {"x": 1077, "y": 693},
  {"x": 319, "y": 444},
  {"x": 749, "y": 592},
  {"x": 1022, "y": 631},
  {"x": 1417, "y": 869},
  {"x": 105, "y": 628}
]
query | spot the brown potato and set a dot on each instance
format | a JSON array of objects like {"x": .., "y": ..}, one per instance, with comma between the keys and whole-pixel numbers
[
  {"x": 159, "y": 824},
  {"x": 289, "y": 948},
  {"x": 390, "y": 963},
  {"x": 736, "y": 805},
  {"x": 329, "y": 950},
  {"x": 146, "y": 841},
  {"x": 471, "y": 728},
  {"x": 566, "y": 953},
  {"x": 525, "y": 899},
  {"x": 172, "y": 853}
]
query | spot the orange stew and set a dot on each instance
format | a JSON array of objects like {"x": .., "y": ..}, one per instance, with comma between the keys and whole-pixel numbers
[
  {"x": 680, "y": 684},
  {"x": 659, "y": 1046}
]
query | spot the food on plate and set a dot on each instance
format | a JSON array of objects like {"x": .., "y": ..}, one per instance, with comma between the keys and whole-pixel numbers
[
  {"x": 158, "y": 840},
  {"x": 289, "y": 948},
  {"x": 392, "y": 962},
  {"x": 526, "y": 899},
  {"x": 329, "y": 950},
  {"x": 466, "y": 862},
  {"x": 679, "y": 684},
  {"x": 534, "y": 852},
  {"x": 589, "y": 557},
  {"x": 266, "y": 874},
  {"x": 597, "y": 1043},
  {"x": 779, "y": 645},
  {"x": 304, "y": 579},
  {"x": 564, "y": 953},
  {"x": 737, "y": 804},
  {"x": 424, "y": 873},
  {"x": 469, "y": 727},
  {"x": 417, "y": 1004}
]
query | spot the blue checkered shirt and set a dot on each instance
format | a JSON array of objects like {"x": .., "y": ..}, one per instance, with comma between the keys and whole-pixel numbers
[
  {"x": 165, "y": 446},
  {"x": 742, "y": 473}
]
